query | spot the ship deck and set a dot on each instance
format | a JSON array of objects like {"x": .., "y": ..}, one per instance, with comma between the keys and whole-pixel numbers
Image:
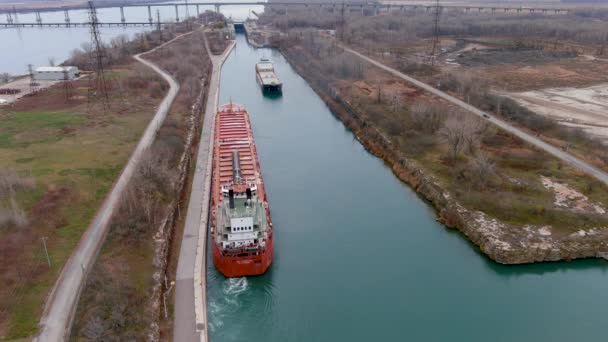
[
  {"x": 233, "y": 133},
  {"x": 269, "y": 78}
]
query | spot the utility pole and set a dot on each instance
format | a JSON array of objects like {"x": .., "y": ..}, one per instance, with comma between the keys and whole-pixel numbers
[
  {"x": 436, "y": 44},
  {"x": 33, "y": 84},
  {"x": 46, "y": 251},
  {"x": 67, "y": 85}
]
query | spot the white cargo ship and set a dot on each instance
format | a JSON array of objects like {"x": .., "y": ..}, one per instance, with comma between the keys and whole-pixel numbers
[{"x": 267, "y": 78}]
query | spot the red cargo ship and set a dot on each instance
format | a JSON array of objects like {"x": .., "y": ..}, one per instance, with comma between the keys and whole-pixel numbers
[{"x": 241, "y": 228}]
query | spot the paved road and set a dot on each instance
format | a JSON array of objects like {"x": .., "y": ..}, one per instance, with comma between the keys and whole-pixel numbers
[
  {"x": 190, "y": 319},
  {"x": 566, "y": 157},
  {"x": 56, "y": 321}
]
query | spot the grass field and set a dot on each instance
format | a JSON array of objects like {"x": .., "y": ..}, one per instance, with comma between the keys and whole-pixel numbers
[{"x": 72, "y": 155}]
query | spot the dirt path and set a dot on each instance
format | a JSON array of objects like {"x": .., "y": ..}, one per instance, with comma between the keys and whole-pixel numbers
[
  {"x": 57, "y": 318},
  {"x": 566, "y": 157}
]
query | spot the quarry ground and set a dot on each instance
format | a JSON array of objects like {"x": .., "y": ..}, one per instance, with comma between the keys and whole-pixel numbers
[
  {"x": 586, "y": 108},
  {"x": 571, "y": 89}
]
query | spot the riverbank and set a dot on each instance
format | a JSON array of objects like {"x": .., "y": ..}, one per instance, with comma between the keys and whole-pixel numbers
[{"x": 504, "y": 242}]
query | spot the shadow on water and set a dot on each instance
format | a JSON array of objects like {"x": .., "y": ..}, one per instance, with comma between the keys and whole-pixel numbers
[
  {"x": 272, "y": 96},
  {"x": 514, "y": 271}
]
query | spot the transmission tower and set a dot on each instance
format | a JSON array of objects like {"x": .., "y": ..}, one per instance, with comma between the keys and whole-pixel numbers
[
  {"x": 158, "y": 27},
  {"x": 435, "y": 44},
  {"x": 342, "y": 22},
  {"x": 188, "y": 24},
  {"x": 33, "y": 84},
  {"x": 67, "y": 85},
  {"x": 97, "y": 84}
]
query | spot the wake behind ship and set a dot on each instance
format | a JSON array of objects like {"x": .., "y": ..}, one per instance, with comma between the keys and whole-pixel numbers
[{"x": 241, "y": 228}]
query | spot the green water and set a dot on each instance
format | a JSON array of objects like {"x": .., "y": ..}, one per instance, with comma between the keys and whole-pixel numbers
[{"x": 359, "y": 256}]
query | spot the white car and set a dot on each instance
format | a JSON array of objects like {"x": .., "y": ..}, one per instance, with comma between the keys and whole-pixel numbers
[{"x": 3, "y": 101}]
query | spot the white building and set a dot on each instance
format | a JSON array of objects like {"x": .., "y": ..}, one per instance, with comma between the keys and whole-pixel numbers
[{"x": 56, "y": 73}]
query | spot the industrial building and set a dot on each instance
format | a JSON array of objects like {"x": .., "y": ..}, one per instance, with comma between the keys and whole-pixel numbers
[{"x": 56, "y": 73}]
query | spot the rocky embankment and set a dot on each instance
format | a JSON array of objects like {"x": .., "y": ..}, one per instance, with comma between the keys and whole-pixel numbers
[{"x": 503, "y": 243}]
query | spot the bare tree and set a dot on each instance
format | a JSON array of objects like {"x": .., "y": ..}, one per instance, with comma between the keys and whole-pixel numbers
[
  {"x": 5, "y": 77},
  {"x": 483, "y": 169},
  {"x": 427, "y": 118},
  {"x": 453, "y": 133},
  {"x": 51, "y": 61},
  {"x": 473, "y": 131},
  {"x": 462, "y": 133},
  {"x": 396, "y": 102},
  {"x": 95, "y": 329}
]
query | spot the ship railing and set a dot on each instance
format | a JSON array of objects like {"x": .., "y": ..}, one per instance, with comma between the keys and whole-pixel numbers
[
  {"x": 248, "y": 181},
  {"x": 245, "y": 251}
]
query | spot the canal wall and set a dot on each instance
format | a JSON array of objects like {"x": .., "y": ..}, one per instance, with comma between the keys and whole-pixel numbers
[{"x": 503, "y": 243}]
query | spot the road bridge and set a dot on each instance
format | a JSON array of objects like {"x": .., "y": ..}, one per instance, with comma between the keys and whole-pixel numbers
[{"x": 108, "y": 24}]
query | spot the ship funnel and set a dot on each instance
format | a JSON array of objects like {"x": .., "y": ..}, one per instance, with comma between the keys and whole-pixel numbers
[
  {"x": 236, "y": 166},
  {"x": 231, "y": 198},
  {"x": 248, "y": 201}
]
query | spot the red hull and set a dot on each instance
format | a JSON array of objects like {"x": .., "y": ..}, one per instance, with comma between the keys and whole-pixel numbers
[
  {"x": 233, "y": 267},
  {"x": 233, "y": 133}
]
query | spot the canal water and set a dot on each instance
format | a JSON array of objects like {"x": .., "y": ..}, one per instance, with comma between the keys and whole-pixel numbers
[
  {"x": 20, "y": 47},
  {"x": 359, "y": 256}
]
